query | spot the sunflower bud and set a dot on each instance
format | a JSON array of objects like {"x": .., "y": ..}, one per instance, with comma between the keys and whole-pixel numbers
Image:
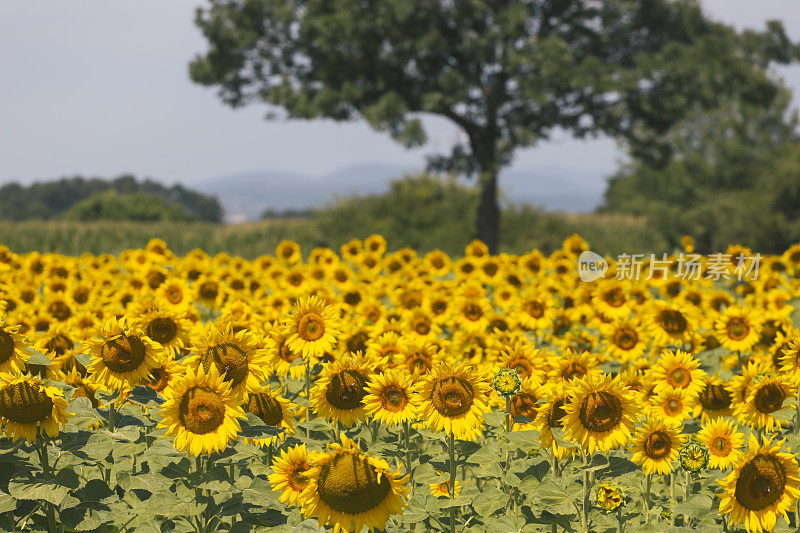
[
  {"x": 693, "y": 456},
  {"x": 506, "y": 382},
  {"x": 609, "y": 497}
]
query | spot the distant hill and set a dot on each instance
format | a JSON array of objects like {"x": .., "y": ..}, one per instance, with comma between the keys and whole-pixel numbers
[{"x": 246, "y": 195}]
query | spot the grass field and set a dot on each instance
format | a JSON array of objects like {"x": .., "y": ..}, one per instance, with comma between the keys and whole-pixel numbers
[{"x": 522, "y": 230}]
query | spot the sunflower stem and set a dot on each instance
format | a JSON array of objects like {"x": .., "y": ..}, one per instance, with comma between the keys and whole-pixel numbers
[
  {"x": 739, "y": 359},
  {"x": 556, "y": 465},
  {"x": 112, "y": 416},
  {"x": 620, "y": 521},
  {"x": 306, "y": 360},
  {"x": 688, "y": 488},
  {"x": 508, "y": 414},
  {"x": 797, "y": 416},
  {"x": 647, "y": 483},
  {"x": 451, "y": 449},
  {"x": 44, "y": 459},
  {"x": 407, "y": 435},
  {"x": 586, "y": 462}
]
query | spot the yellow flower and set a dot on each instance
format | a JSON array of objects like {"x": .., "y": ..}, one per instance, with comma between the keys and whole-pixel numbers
[
  {"x": 656, "y": 446},
  {"x": 454, "y": 398},
  {"x": 288, "y": 475},
  {"x": 14, "y": 350},
  {"x": 274, "y": 410},
  {"x": 442, "y": 489},
  {"x": 738, "y": 329},
  {"x": 201, "y": 412},
  {"x": 724, "y": 443},
  {"x": 600, "y": 415},
  {"x": 392, "y": 397},
  {"x": 27, "y": 403},
  {"x": 338, "y": 394},
  {"x": 349, "y": 489},
  {"x": 608, "y": 497},
  {"x": 763, "y": 485},
  {"x": 313, "y": 327}
]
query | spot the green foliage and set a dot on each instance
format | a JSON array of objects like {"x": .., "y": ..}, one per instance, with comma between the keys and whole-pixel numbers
[
  {"x": 507, "y": 74},
  {"x": 734, "y": 179},
  {"x": 138, "y": 206},
  {"x": 47, "y": 200}
]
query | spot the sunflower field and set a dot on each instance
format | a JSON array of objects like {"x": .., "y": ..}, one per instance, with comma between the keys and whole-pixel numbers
[{"x": 388, "y": 391}]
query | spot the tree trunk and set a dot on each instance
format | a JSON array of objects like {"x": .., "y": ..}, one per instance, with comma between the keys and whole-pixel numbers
[{"x": 488, "y": 221}]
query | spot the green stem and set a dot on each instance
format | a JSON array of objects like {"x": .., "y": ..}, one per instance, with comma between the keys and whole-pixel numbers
[
  {"x": 308, "y": 395},
  {"x": 451, "y": 449},
  {"x": 201, "y": 520},
  {"x": 648, "y": 481},
  {"x": 586, "y": 461},
  {"x": 688, "y": 488},
  {"x": 556, "y": 465},
  {"x": 620, "y": 521},
  {"x": 407, "y": 435},
  {"x": 797, "y": 416},
  {"x": 508, "y": 414},
  {"x": 112, "y": 416},
  {"x": 44, "y": 459}
]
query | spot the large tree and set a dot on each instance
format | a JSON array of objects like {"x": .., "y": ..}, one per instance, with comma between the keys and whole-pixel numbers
[{"x": 507, "y": 72}]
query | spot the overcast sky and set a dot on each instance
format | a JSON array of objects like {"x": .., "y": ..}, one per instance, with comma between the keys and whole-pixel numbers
[{"x": 101, "y": 87}]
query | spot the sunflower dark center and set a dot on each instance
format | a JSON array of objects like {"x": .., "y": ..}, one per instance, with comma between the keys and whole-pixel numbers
[
  {"x": 348, "y": 483},
  {"x": 715, "y": 398},
  {"x": 346, "y": 390},
  {"x": 524, "y": 404},
  {"x": 25, "y": 403},
  {"x": 231, "y": 362},
  {"x": 472, "y": 311},
  {"x": 574, "y": 370},
  {"x": 673, "y": 406},
  {"x": 556, "y": 414},
  {"x": 265, "y": 407},
  {"x": 159, "y": 378},
  {"x": 394, "y": 399},
  {"x": 452, "y": 396},
  {"x": 679, "y": 377},
  {"x": 600, "y": 411},
  {"x": 761, "y": 482},
  {"x": 124, "y": 354},
  {"x": 769, "y": 398},
  {"x": 422, "y": 326},
  {"x": 419, "y": 362},
  {"x": 439, "y": 307},
  {"x": 626, "y": 338},
  {"x": 6, "y": 346},
  {"x": 209, "y": 290},
  {"x": 174, "y": 295},
  {"x": 201, "y": 410},
  {"x": 285, "y": 353},
  {"x": 672, "y": 321},
  {"x": 615, "y": 297},
  {"x": 59, "y": 310},
  {"x": 657, "y": 445},
  {"x": 521, "y": 365},
  {"x": 162, "y": 329},
  {"x": 737, "y": 329},
  {"x": 296, "y": 479},
  {"x": 59, "y": 344},
  {"x": 534, "y": 308},
  {"x": 721, "y": 446}
]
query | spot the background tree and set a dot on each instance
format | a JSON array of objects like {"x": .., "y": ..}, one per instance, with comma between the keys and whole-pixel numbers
[
  {"x": 733, "y": 177},
  {"x": 507, "y": 72}
]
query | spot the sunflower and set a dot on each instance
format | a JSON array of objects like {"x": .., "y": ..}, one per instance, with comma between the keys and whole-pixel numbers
[
  {"x": 437, "y": 263},
  {"x": 201, "y": 411},
  {"x": 535, "y": 310},
  {"x": 625, "y": 340},
  {"x": 673, "y": 405},
  {"x": 767, "y": 395},
  {"x": 455, "y": 396},
  {"x": 738, "y": 329},
  {"x": 288, "y": 252},
  {"x": 338, "y": 394},
  {"x": 121, "y": 357},
  {"x": 724, "y": 443},
  {"x": 442, "y": 489},
  {"x": 238, "y": 357},
  {"x": 656, "y": 446},
  {"x": 608, "y": 497},
  {"x": 611, "y": 301},
  {"x": 313, "y": 327},
  {"x": 763, "y": 485},
  {"x": 27, "y": 403},
  {"x": 392, "y": 397},
  {"x": 714, "y": 401},
  {"x": 14, "y": 350},
  {"x": 349, "y": 489},
  {"x": 167, "y": 327},
  {"x": 274, "y": 410},
  {"x": 678, "y": 370},
  {"x": 600, "y": 415},
  {"x": 571, "y": 365},
  {"x": 283, "y": 360},
  {"x": 525, "y": 403},
  {"x": 289, "y": 474},
  {"x": 162, "y": 376},
  {"x": 519, "y": 354},
  {"x": 669, "y": 324},
  {"x": 550, "y": 415}
]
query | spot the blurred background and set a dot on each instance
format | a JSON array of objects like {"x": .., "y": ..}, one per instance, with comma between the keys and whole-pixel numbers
[{"x": 229, "y": 126}]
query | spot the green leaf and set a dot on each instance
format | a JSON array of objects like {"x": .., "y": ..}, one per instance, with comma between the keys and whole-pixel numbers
[
  {"x": 144, "y": 395},
  {"x": 38, "y": 358},
  {"x": 254, "y": 428},
  {"x": 489, "y": 501},
  {"x": 31, "y": 490}
]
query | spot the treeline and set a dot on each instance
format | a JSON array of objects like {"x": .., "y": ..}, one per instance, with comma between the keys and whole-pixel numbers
[{"x": 123, "y": 198}]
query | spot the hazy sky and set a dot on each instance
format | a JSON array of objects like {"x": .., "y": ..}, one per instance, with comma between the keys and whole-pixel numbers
[{"x": 100, "y": 87}]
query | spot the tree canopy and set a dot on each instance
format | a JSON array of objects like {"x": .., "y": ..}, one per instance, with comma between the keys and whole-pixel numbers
[
  {"x": 507, "y": 72},
  {"x": 51, "y": 199}
]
